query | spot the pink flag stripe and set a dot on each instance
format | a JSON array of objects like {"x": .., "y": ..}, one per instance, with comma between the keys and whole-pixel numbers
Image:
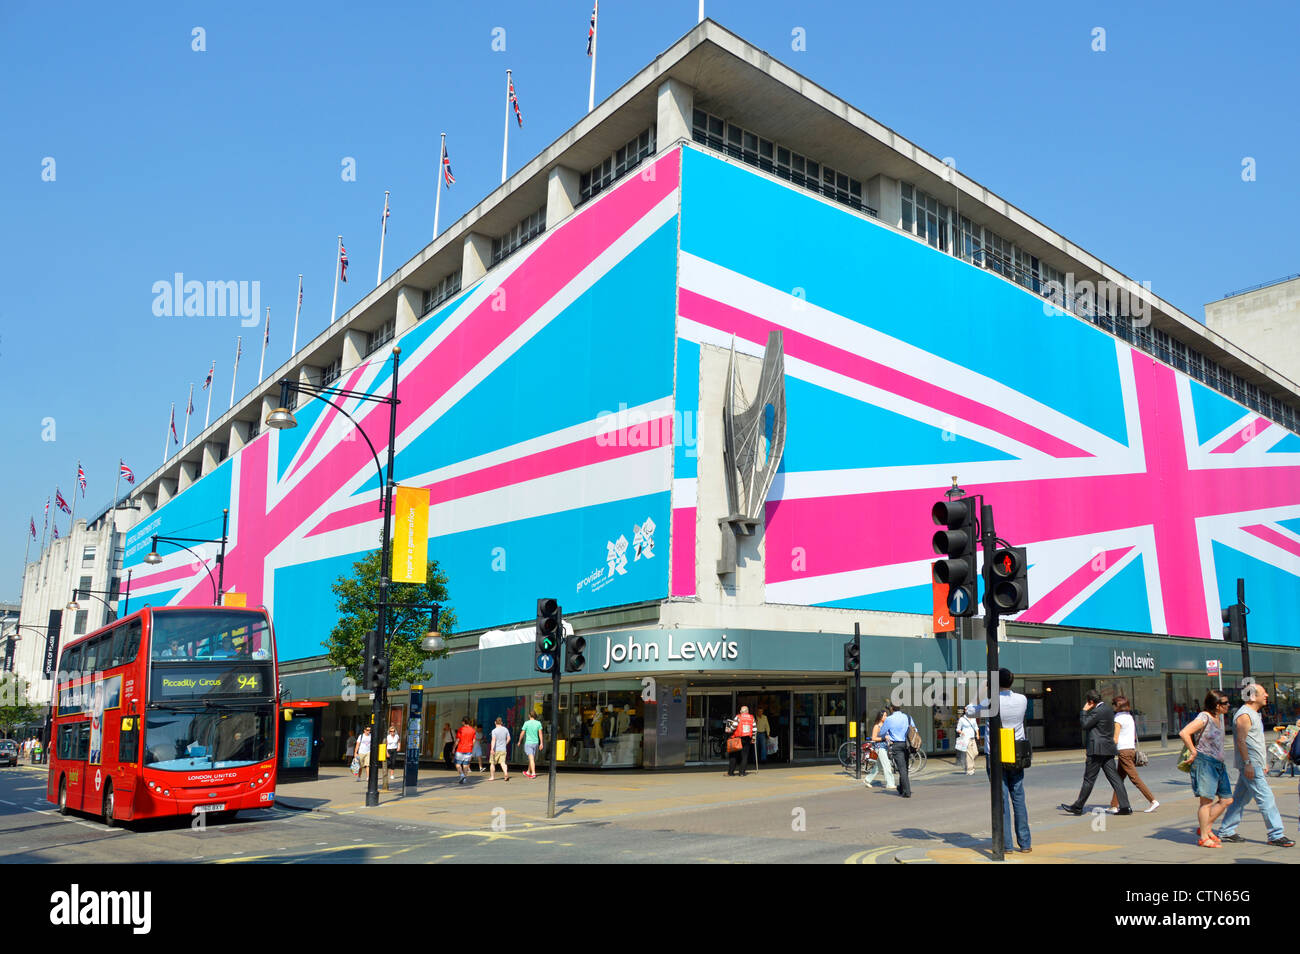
[
  {"x": 328, "y": 416},
  {"x": 1045, "y": 607},
  {"x": 555, "y": 263},
  {"x": 1243, "y": 437},
  {"x": 683, "y": 558},
  {"x": 1269, "y": 535},
  {"x": 732, "y": 320},
  {"x": 556, "y": 460}
]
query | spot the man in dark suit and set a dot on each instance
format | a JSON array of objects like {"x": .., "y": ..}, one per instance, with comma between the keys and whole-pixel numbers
[{"x": 1098, "y": 720}]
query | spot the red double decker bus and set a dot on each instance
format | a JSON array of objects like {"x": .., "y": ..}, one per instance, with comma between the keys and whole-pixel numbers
[{"x": 170, "y": 711}]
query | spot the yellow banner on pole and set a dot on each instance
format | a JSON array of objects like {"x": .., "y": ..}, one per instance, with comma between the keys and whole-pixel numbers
[
  {"x": 231, "y": 598},
  {"x": 411, "y": 534}
]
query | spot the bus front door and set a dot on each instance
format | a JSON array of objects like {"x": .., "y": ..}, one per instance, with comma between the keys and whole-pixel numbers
[{"x": 128, "y": 767}]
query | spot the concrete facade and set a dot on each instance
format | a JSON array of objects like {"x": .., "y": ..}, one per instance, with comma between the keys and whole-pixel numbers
[{"x": 1263, "y": 321}]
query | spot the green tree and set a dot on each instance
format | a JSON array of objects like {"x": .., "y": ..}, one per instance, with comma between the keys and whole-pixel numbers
[
  {"x": 358, "y": 599},
  {"x": 14, "y": 710}
]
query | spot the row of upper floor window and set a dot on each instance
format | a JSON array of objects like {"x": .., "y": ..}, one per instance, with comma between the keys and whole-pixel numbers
[
  {"x": 616, "y": 165},
  {"x": 785, "y": 163},
  {"x": 939, "y": 225}
]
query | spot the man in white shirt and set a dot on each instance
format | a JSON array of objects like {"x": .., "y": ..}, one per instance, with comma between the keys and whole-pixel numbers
[
  {"x": 1012, "y": 707},
  {"x": 497, "y": 753}
]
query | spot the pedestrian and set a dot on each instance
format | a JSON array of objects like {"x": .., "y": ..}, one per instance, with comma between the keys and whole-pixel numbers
[
  {"x": 497, "y": 753},
  {"x": 478, "y": 746},
  {"x": 349, "y": 747},
  {"x": 464, "y": 748},
  {"x": 762, "y": 730},
  {"x": 1012, "y": 707},
  {"x": 448, "y": 744},
  {"x": 1203, "y": 737},
  {"x": 968, "y": 730},
  {"x": 881, "y": 749},
  {"x": 1252, "y": 782},
  {"x": 531, "y": 738},
  {"x": 392, "y": 745},
  {"x": 1126, "y": 746},
  {"x": 363, "y": 753},
  {"x": 895, "y": 729},
  {"x": 1098, "y": 720},
  {"x": 742, "y": 739}
]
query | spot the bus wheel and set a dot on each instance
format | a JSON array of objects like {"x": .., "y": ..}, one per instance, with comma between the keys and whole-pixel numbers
[
  {"x": 109, "y": 820},
  {"x": 63, "y": 796}
]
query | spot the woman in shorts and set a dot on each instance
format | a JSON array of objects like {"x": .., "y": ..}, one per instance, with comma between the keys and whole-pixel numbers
[{"x": 1210, "y": 781}]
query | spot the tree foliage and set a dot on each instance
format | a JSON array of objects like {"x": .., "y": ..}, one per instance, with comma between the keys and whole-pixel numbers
[
  {"x": 358, "y": 599},
  {"x": 14, "y": 710}
]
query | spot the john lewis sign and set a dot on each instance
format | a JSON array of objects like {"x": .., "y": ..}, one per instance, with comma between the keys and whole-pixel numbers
[{"x": 692, "y": 653}]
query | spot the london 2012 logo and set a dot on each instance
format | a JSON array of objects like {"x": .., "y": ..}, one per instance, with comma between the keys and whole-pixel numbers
[{"x": 616, "y": 556}]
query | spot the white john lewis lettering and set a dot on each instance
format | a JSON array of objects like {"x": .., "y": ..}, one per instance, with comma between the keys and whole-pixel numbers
[{"x": 630, "y": 650}]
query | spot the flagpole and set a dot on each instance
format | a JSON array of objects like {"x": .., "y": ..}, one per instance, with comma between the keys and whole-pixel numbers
[
  {"x": 239, "y": 349},
  {"x": 294, "y": 347},
  {"x": 116, "y": 484},
  {"x": 437, "y": 202},
  {"x": 505, "y": 146},
  {"x": 266, "y": 335},
  {"x": 189, "y": 404},
  {"x": 701, "y": 20},
  {"x": 27, "y": 549},
  {"x": 45, "y": 530},
  {"x": 167, "y": 433},
  {"x": 591, "y": 94},
  {"x": 338, "y": 257},
  {"x": 383, "y": 230},
  {"x": 207, "y": 415},
  {"x": 72, "y": 517}
]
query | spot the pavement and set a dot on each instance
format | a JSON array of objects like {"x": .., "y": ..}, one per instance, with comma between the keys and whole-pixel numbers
[{"x": 633, "y": 797}]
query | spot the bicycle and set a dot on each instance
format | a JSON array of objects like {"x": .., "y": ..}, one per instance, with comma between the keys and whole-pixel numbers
[
  {"x": 916, "y": 763},
  {"x": 846, "y": 755}
]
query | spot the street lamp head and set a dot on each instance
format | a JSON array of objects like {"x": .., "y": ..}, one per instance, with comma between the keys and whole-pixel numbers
[
  {"x": 282, "y": 418},
  {"x": 152, "y": 558},
  {"x": 72, "y": 607},
  {"x": 433, "y": 643}
]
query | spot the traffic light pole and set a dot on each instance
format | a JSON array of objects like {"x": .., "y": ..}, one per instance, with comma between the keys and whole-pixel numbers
[
  {"x": 857, "y": 696},
  {"x": 555, "y": 729},
  {"x": 1245, "y": 639},
  {"x": 989, "y": 539}
]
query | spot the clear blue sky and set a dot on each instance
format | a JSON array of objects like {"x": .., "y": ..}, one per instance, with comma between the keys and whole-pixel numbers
[{"x": 225, "y": 164}]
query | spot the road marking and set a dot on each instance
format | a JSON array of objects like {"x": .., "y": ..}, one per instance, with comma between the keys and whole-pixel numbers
[
  {"x": 870, "y": 857},
  {"x": 3, "y": 802}
]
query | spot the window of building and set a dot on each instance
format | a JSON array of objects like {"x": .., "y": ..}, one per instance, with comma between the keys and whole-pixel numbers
[
  {"x": 524, "y": 232},
  {"x": 612, "y": 168},
  {"x": 331, "y": 372},
  {"x": 440, "y": 292},
  {"x": 79, "y": 625},
  {"x": 381, "y": 336},
  {"x": 254, "y": 428},
  {"x": 88, "y": 555},
  {"x": 754, "y": 150}
]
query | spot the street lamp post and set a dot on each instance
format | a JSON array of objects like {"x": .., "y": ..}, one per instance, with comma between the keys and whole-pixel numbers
[
  {"x": 281, "y": 418},
  {"x": 153, "y": 558}
]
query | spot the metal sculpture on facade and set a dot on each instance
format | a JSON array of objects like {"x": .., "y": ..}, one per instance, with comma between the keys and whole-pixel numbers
[{"x": 753, "y": 442}]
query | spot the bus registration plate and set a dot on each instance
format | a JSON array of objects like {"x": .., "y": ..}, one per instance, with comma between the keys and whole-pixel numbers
[{"x": 217, "y": 807}]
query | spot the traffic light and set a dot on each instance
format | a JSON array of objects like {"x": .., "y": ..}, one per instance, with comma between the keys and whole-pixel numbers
[
  {"x": 956, "y": 542},
  {"x": 381, "y": 671},
  {"x": 853, "y": 655},
  {"x": 1009, "y": 585},
  {"x": 1234, "y": 619},
  {"x": 574, "y": 647},
  {"x": 371, "y": 653},
  {"x": 550, "y": 626}
]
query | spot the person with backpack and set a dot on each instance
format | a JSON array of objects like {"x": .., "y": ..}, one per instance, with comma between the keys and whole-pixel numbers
[{"x": 897, "y": 731}]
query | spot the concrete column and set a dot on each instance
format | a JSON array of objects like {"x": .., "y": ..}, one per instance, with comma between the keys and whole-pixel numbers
[
  {"x": 354, "y": 347},
  {"x": 885, "y": 196},
  {"x": 676, "y": 106},
  {"x": 212, "y": 455},
  {"x": 145, "y": 502},
  {"x": 410, "y": 309},
  {"x": 166, "y": 490},
  {"x": 239, "y": 432},
  {"x": 477, "y": 258},
  {"x": 309, "y": 375},
  {"x": 188, "y": 474},
  {"x": 563, "y": 192}
]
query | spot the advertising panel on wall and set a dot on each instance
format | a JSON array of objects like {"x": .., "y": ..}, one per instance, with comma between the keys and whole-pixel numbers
[
  {"x": 536, "y": 409},
  {"x": 1141, "y": 494}
]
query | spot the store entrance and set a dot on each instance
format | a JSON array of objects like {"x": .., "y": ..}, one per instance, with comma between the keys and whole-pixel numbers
[
  {"x": 1062, "y": 702},
  {"x": 705, "y": 714}
]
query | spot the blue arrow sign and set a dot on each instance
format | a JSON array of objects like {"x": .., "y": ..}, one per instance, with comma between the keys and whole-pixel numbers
[
  {"x": 958, "y": 602},
  {"x": 545, "y": 661}
]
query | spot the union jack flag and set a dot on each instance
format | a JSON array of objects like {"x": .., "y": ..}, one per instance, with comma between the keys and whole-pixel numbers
[
  {"x": 212, "y": 369},
  {"x": 447, "y": 177},
  {"x": 33, "y": 528},
  {"x": 56, "y": 531},
  {"x": 189, "y": 409},
  {"x": 47, "y": 511},
  {"x": 81, "y": 479},
  {"x": 300, "y": 293},
  {"x": 591, "y": 30},
  {"x": 127, "y": 472},
  {"x": 514, "y": 101},
  {"x": 343, "y": 262},
  {"x": 60, "y": 502},
  {"x": 175, "y": 438}
]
